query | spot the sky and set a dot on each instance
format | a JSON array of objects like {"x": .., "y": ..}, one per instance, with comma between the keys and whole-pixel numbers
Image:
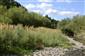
[{"x": 56, "y": 9}]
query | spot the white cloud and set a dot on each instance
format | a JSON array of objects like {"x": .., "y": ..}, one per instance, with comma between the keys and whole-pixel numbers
[
  {"x": 45, "y": 0},
  {"x": 68, "y": 1},
  {"x": 42, "y": 5},
  {"x": 29, "y": 6},
  {"x": 37, "y": 11},
  {"x": 50, "y": 11},
  {"x": 68, "y": 13},
  {"x": 46, "y": 12},
  {"x": 46, "y": 8},
  {"x": 43, "y": 8}
]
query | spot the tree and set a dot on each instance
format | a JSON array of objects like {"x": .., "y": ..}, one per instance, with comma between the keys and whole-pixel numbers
[
  {"x": 4, "y": 19},
  {"x": 2, "y": 10},
  {"x": 9, "y": 3},
  {"x": 17, "y": 15},
  {"x": 53, "y": 23}
]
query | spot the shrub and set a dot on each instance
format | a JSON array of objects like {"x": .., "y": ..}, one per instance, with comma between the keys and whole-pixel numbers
[
  {"x": 21, "y": 39},
  {"x": 75, "y": 24},
  {"x": 2, "y": 10},
  {"x": 68, "y": 32},
  {"x": 4, "y": 19}
]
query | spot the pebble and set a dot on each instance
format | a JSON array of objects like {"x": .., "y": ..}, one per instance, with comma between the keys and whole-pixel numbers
[{"x": 60, "y": 52}]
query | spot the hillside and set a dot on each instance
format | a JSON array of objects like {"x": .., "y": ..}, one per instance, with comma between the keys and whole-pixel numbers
[
  {"x": 29, "y": 38},
  {"x": 23, "y": 32}
]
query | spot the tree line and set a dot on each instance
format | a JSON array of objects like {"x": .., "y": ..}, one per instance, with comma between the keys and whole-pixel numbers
[{"x": 12, "y": 12}]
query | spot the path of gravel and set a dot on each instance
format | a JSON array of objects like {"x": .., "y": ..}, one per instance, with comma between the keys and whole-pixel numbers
[
  {"x": 77, "y": 50},
  {"x": 77, "y": 44}
]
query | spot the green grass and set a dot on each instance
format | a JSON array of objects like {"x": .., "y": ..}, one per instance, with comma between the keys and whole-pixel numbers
[
  {"x": 50, "y": 37},
  {"x": 20, "y": 39},
  {"x": 80, "y": 37}
]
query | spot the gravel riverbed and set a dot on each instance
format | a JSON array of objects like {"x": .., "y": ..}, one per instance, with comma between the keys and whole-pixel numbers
[{"x": 60, "y": 52}]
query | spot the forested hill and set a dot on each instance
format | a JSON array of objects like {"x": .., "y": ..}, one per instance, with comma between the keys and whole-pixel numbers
[{"x": 15, "y": 13}]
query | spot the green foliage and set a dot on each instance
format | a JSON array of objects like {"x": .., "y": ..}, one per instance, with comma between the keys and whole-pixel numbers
[
  {"x": 64, "y": 23},
  {"x": 9, "y": 3},
  {"x": 21, "y": 16},
  {"x": 76, "y": 24},
  {"x": 80, "y": 37},
  {"x": 17, "y": 39},
  {"x": 2, "y": 9},
  {"x": 4, "y": 19},
  {"x": 68, "y": 32},
  {"x": 37, "y": 19},
  {"x": 53, "y": 23},
  {"x": 17, "y": 15}
]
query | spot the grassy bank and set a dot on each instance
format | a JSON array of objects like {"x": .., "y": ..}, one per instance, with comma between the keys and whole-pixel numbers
[
  {"x": 80, "y": 37},
  {"x": 19, "y": 39}
]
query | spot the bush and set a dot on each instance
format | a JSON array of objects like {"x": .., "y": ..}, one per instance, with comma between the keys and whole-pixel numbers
[
  {"x": 2, "y": 10},
  {"x": 68, "y": 32},
  {"x": 75, "y": 24},
  {"x": 4, "y": 19}
]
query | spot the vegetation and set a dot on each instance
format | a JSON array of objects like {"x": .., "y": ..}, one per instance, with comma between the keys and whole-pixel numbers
[
  {"x": 74, "y": 27},
  {"x": 36, "y": 31},
  {"x": 53, "y": 23},
  {"x": 18, "y": 15},
  {"x": 15, "y": 14},
  {"x": 15, "y": 39},
  {"x": 76, "y": 24},
  {"x": 9, "y": 3}
]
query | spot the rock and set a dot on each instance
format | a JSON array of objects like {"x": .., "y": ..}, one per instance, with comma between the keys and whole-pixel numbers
[{"x": 60, "y": 52}]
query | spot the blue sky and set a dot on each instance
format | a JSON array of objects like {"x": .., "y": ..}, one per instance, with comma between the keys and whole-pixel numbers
[{"x": 57, "y": 9}]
